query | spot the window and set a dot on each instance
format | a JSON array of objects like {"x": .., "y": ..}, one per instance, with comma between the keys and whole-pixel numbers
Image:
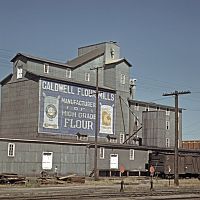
[
  {"x": 136, "y": 122},
  {"x": 147, "y": 108},
  {"x": 167, "y": 125},
  {"x": 47, "y": 159},
  {"x": 46, "y": 68},
  {"x": 82, "y": 137},
  {"x": 101, "y": 152},
  {"x": 11, "y": 149},
  {"x": 167, "y": 142},
  {"x": 87, "y": 76},
  {"x": 137, "y": 106},
  {"x": 19, "y": 72},
  {"x": 132, "y": 154},
  {"x": 113, "y": 140},
  {"x": 68, "y": 73},
  {"x": 112, "y": 53},
  {"x": 121, "y": 139},
  {"x": 168, "y": 112},
  {"x": 123, "y": 79}
]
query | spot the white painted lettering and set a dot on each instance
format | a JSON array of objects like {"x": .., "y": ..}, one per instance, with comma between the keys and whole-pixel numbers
[{"x": 78, "y": 124}]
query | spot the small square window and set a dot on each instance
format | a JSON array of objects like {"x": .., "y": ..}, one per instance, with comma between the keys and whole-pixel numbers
[
  {"x": 137, "y": 106},
  {"x": 68, "y": 73},
  {"x": 147, "y": 108},
  {"x": 123, "y": 79},
  {"x": 167, "y": 112},
  {"x": 167, "y": 125},
  {"x": 121, "y": 139},
  {"x": 132, "y": 154},
  {"x": 101, "y": 153},
  {"x": 11, "y": 149},
  {"x": 112, "y": 53},
  {"x": 19, "y": 72},
  {"x": 136, "y": 122},
  {"x": 113, "y": 140},
  {"x": 87, "y": 76},
  {"x": 167, "y": 142},
  {"x": 82, "y": 137},
  {"x": 46, "y": 68}
]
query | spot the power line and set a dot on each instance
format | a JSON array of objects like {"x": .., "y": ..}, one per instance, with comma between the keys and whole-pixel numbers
[
  {"x": 143, "y": 82},
  {"x": 162, "y": 83},
  {"x": 6, "y": 50},
  {"x": 195, "y": 92},
  {"x": 192, "y": 110},
  {"x": 160, "y": 99}
]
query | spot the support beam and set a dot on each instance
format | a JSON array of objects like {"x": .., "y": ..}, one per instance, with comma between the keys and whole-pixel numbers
[
  {"x": 176, "y": 173},
  {"x": 96, "y": 174}
]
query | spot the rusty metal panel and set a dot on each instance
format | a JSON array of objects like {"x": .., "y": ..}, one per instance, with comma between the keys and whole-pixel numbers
[
  {"x": 196, "y": 145},
  {"x": 191, "y": 144},
  {"x": 188, "y": 160},
  {"x": 181, "y": 168},
  {"x": 185, "y": 145}
]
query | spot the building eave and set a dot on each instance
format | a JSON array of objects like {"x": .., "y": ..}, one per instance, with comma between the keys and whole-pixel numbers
[
  {"x": 119, "y": 61},
  {"x": 152, "y": 104},
  {"x": 44, "y": 60},
  {"x": 6, "y": 79},
  {"x": 29, "y": 74}
]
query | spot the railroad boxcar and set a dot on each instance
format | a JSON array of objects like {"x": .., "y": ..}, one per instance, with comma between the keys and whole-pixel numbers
[{"x": 188, "y": 164}]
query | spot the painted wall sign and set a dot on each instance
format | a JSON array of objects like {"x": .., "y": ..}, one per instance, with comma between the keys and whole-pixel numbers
[{"x": 69, "y": 109}]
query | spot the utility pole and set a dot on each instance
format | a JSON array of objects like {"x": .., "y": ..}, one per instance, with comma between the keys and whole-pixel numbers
[
  {"x": 96, "y": 174},
  {"x": 176, "y": 94}
]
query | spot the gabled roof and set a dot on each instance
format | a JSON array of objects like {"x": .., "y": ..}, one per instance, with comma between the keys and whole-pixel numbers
[
  {"x": 80, "y": 60},
  {"x": 6, "y": 79},
  {"x": 118, "y": 61},
  {"x": 30, "y": 57}
]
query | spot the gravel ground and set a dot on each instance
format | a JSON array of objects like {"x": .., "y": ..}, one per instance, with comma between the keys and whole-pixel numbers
[{"x": 106, "y": 188}]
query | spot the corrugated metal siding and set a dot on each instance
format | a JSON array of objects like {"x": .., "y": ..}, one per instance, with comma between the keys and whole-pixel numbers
[
  {"x": 154, "y": 128},
  {"x": 79, "y": 73},
  {"x": 20, "y": 108},
  {"x": 191, "y": 144},
  {"x": 68, "y": 158},
  {"x": 28, "y": 158}
]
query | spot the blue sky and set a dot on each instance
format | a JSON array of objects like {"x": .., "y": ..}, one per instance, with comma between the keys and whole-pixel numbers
[{"x": 161, "y": 38}]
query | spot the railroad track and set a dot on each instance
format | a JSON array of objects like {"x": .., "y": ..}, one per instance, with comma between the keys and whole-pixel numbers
[{"x": 103, "y": 193}]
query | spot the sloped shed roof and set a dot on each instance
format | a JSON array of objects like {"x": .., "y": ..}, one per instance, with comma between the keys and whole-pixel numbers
[{"x": 80, "y": 60}]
